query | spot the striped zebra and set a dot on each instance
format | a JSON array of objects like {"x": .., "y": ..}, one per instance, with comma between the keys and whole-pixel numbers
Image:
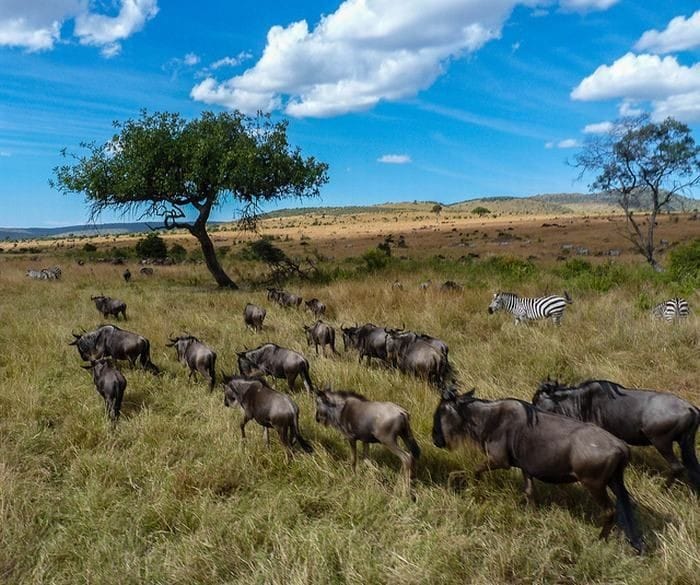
[
  {"x": 36, "y": 274},
  {"x": 672, "y": 309},
  {"x": 525, "y": 309}
]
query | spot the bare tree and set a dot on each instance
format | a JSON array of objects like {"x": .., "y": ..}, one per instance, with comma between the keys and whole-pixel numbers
[{"x": 644, "y": 164}]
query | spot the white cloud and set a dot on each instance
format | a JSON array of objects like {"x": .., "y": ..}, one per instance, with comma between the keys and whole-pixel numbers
[
  {"x": 5, "y": 153},
  {"x": 668, "y": 85},
  {"x": 394, "y": 159},
  {"x": 365, "y": 52},
  {"x": 629, "y": 109},
  {"x": 549, "y": 144},
  {"x": 191, "y": 59},
  {"x": 586, "y": 5},
  {"x": 598, "y": 128},
  {"x": 568, "y": 143},
  {"x": 232, "y": 61},
  {"x": 36, "y": 25},
  {"x": 680, "y": 34}
]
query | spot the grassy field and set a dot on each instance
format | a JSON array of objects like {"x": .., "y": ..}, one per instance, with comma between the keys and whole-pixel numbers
[{"x": 175, "y": 496}]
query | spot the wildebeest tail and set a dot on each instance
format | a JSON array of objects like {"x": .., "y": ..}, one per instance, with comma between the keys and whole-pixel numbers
[
  {"x": 623, "y": 509},
  {"x": 303, "y": 443},
  {"x": 567, "y": 297},
  {"x": 308, "y": 384},
  {"x": 409, "y": 439},
  {"x": 145, "y": 358},
  {"x": 688, "y": 455},
  {"x": 212, "y": 372}
]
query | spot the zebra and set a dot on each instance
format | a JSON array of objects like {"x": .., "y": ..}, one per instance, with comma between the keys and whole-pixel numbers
[
  {"x": 524, "y": 309},
  {"x": 51, "y": 273},
  {"x": 36, "y": 274},
  {"x": 671, "y": 309}
]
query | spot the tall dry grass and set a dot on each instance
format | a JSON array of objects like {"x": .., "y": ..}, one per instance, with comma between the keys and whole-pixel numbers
[{"x": 175, "y": 495}]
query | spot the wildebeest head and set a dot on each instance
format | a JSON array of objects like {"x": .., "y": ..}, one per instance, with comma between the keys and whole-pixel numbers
[
  {"x": 449, "y": 417},
  {"x": 231, "y": 391},
  {"x": 246, "y": 366},
  {"x": 86, "y": 345},
  {"x": 98, "y": 366},
  {"x": 546, "y": 397},
  {"x": 349, "y": 336},
  {"x": 308, "y": 330},
  {"x": 496, "y": 303},
  {"x": 181, "y": 343},
  {"x": 326, "y": 406}
]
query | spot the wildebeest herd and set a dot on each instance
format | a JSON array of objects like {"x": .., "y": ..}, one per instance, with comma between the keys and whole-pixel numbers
[{"x": 566, "y": 434}]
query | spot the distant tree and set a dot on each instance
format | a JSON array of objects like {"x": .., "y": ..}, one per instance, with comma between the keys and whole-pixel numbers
[
  {"x": 642, "y": 163},
  {"x": 177, "y": 252},
  {"x": 88, "y": 247},
  {"x": 152, "y": 246},
  {"x": 161, "y": 165},
  {"x": 481, "y": 211},
  {"x": 437, "y": 209}
]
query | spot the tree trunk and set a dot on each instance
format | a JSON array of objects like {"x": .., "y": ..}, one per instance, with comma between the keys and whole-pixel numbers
[{"x": 222, "y": 279}]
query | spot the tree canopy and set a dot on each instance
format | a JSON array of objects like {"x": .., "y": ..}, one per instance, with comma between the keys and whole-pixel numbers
[
  {"x": 643, "y": 163},
  {"x": 162, "y": 165}
]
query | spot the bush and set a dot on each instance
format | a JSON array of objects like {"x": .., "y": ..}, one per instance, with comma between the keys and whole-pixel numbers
[
  {"x": 481, "y": 211},
  {"x": 178, "y": 252},
  {"x": 375, "y": 260},
  {"x": 575, "y": 267},
  {"x": 684, "y": 263},
  {"x": 88, "y": 247},
  {"x": 152, "y": 246}
]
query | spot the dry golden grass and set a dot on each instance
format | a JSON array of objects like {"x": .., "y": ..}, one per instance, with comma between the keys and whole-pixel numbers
[{"x": 175, "y": 495}]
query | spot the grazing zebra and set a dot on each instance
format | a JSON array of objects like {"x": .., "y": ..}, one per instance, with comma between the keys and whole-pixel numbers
[
  {"x": 51, "y": 273},
  {"x": 672, "y": 309},
  {"x": 524, "y": 308},
  {"x": 36, "y": 274}
]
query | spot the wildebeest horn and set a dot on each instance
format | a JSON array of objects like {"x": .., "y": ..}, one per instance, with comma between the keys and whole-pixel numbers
[{"x": 88, "y": 367}]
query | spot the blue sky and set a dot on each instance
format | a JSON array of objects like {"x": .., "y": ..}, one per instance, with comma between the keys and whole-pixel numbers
[{"x": 420, "y": 99}]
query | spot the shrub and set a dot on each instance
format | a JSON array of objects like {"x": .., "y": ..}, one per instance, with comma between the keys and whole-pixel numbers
[
  {"x": 684, "y": 263},
  {"x": 481, "y": 211},
  {"x": 575, "y": 267},
  {"x": 88, "y": 247},
  {"x": 152, "y": 246},
  {"x": 177, "y": 252},
  {"x": 375, "y": 260}
]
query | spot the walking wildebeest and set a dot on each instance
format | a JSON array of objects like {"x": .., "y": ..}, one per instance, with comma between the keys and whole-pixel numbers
[
  {"x": 110, "y": 383},
  {"x": 279, "y": 362},
  {"x": 111, "y": 341},
  {"x": 267, "y": 407},
  {"x": 322, "y": 334},
  {"x": 638, "y": 417},
  {"x": 418, "y": 356},
  {"x": 369, "y": 340},
  {"x": 545, "y": 446},
  {"x": 253, "y": 317},
  {"x": 284, "y": 298},
  {"x": 316, "y": 307},
  {"x": 127, "y": 275},
  {"x": 109, "y": 306},
  {"x": 360, "y": 419},
  {"x": 197, "y": 356}
]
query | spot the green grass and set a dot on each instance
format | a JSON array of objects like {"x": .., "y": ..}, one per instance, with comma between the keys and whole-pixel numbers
[{"x": 175, "y": 496}]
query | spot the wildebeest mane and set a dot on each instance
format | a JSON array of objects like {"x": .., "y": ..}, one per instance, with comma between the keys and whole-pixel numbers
[{"x": 348, "y": 394}]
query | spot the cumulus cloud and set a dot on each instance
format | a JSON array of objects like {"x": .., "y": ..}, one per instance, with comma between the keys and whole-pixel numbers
[
  {"x": 586, "y": 5},
  {"x": 680, "y": 34},
  {"x": 598, "y": 128},
  {"x": 669, "y": 86},
  {"x": 566, "y": 143},
  {"x": 394, "y": 159},
  {"x": 365, "y": 52},
  {"x": 36, "y": 25}
]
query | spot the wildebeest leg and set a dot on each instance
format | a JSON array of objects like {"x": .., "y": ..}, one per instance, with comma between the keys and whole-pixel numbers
[
  {"x": 266, "y": 436},
  {"x": 496, "y": 458},
  {"x": 316, "y": 344},
  {"x": 290, "y": 381},
  {"x": 283, "y": 432},
  {"x": 529, "y": 489},
  {"x": 664, "y": 445},
  {"x": 406, "y": 460},
  {"x": 600, "y": 495},
  {"x": 365, "y": 450},
  {"x": 353, "y": 448},
  {"x": 244, "y": 422}
]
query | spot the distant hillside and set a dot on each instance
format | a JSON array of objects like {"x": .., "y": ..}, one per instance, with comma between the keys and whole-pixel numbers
[{"x": 75, "y": 230}]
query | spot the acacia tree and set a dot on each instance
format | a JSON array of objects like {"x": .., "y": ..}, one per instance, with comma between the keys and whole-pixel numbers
[
  {"x": 644, "y": 164},
  {"x": 161, "y": 165}
]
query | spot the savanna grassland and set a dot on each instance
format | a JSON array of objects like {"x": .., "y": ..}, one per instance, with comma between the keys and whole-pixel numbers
[{"x": 174, "y": 495}]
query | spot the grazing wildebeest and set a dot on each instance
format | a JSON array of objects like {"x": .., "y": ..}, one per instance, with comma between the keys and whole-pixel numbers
[
  {"x": 127, "y": 275},
  {"x": 360, "y": 419},
  {"x": 197, "y": 356},
  {"x": 253, "y": 316},
  {"x": 371, "y": 342},
  {"x": 110, "y": 383},
  {"x": 322, "y": 334},
  {"x": 450, "y": 286},
  {"x": 637, "y": 416},
  {"x": 267, "y": 407},
  {"x": 146, "y": 271},
  {"x": 283, "y": 298},
  {"x": 109, "y": 306},
  {"x": 111, "y": 341},
  {"x": 545, "y": 446},
  {"x": 279, "y": 362},
  {"x": 416, "y": 355},
  {"x": 316, "y": 307}
]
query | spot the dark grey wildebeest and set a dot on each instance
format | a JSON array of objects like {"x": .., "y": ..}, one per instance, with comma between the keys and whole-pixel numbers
[
  {"x": 638, "y": 417},
  {"x": 418, "y": 356},
  {"x": 316, "y": 307},
  {"x": 367, "y": 421},
  {"x": 109, "y": 306},
  {"x": 369, "y": 340},
  {"x": 253, "y": 317},
  {"x": 197, "y": 356},
  {"x": 279, "y": 362},
  {"x": 545, "y": 446},
  {"x": 269, "y": 408},
  {"x": 111, "y": 341},
  {"x": 110, "y": 384},
  {"x": 126, "y": 275},
  {"x": 284, "y": 298},
  {"x": 322, "y": 334},
  {"x": 146, "y": 271}
]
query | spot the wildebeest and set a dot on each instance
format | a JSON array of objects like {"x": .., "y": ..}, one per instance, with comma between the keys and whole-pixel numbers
[
  {"x": 111, "y": 341},
  {"x": 450, "y": 286},
  {"x": 197, "y": 356},
  {"x": 545, "y": 446},
  {"x": 127, "y": 275},
  {"x": 267, "y": 407},
  {"x": 283, "y": 298},
  {"x": 109, "y": 306},
  {"x": 146, "y": 271},
  {"x": 322, "y": 334},
  {"x": 110, "y": 383},
  {"x": 253, "y": 316},
  {"x": 272, "y": 360},
  {"x": 316, "y": 307},
  {"x": 369, "y": 340},
  {"x": 360, "y": 419},
  {"x": 638, "y": 417},
  {"x": 421, "y": 356}
]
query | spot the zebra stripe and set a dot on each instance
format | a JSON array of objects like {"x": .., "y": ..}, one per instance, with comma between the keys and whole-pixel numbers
[
  {"x": 524, "y": 308},
  {"x": 672, "y": 309}
]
